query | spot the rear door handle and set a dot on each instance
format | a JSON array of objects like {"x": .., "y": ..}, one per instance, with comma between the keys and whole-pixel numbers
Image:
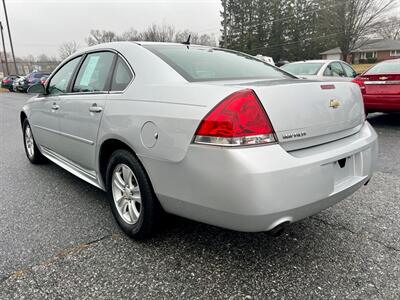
[{"x": 95, "y": 109}]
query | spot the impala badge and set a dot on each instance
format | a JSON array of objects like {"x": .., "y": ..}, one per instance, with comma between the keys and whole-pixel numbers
[{"x": 334, "y": 103}]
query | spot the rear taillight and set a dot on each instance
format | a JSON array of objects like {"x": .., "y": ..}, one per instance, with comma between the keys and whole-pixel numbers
[
  {"x": 237, "y": 120},
  {"x": 360, "y": 83}
]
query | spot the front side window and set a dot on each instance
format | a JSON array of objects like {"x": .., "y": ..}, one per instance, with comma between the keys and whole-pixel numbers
[
  {"x": 122, "y": 76},
  {"x": 94, "y": 73},
  {"x": 59, "y": 82},
  {"x": 334, "y": 69},
  {"x": 349, "y": 71},
  {"x": 196, "y": 63}
]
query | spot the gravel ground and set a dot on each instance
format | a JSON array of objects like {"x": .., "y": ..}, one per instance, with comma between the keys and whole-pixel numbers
[{"x": 58, "y": 240}]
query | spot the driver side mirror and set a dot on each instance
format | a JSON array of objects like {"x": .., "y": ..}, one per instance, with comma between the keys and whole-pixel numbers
[{"x": 36, "y": 89}]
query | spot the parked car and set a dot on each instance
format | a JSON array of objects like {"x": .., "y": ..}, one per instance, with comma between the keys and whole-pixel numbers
[
  {"x": 31, "y": 79},
  {"x": 380, "y": 87},
  {"x": 321, "y": 69},
  {"x": 209, "y": 134},
  {"x": 43, "y": 79},
  {"x": 17, "y": 82},
  {"x": 7, "y": 82},
  {"x": 267, "y": 59},
  {"x": 281, "y": 62}
]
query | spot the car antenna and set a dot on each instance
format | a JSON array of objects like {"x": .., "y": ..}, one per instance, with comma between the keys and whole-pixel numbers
[{"x": 187, "y": 41}]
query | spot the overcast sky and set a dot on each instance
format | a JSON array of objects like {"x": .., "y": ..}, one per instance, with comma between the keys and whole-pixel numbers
[{"x": 40, "y": 26}]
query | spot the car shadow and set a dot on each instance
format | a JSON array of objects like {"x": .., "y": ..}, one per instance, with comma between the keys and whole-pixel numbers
[{"x": 384, "y": 120}]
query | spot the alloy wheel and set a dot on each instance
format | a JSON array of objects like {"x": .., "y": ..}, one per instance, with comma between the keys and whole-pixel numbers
[
  {"x": 29, "y": 143},
  {"x": 126, "y": 194}
]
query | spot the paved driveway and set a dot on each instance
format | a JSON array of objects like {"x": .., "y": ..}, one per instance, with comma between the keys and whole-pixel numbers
[{"x": 59, "y": 240}]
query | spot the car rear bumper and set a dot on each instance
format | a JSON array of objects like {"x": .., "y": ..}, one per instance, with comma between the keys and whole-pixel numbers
[
  {"x": 257, "y": 188},
  {"x": 382, "y": 103}
]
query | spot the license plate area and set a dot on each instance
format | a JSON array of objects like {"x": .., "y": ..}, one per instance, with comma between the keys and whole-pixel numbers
[{"x": 344, "y": 169}]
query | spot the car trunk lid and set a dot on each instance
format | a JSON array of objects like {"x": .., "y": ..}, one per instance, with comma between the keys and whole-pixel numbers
[
  {"x": 382, "y": 84},
  {"x": 307, "y": 113}
]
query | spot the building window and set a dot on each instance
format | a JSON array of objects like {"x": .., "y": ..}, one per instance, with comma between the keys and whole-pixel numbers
[
  {"x": 395, "y": 53},
  {"x": 366, "y": 55}
]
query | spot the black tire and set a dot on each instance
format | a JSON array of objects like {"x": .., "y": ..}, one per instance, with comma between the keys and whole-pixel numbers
[
  {"x": 150, "y": 208},
  {"x": 37, "y": 157}
]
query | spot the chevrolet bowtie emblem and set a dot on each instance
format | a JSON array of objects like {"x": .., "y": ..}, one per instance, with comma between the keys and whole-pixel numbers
[
  {"x": 334, "y": 103},
  {"x": 383, "y": 78}
]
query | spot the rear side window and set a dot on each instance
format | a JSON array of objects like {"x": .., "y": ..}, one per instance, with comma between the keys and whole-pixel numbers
[
  {"x": 302, "y": 68},
  {"x": 196, "y": 63},
  {"x": 122, "y": 76},
  {"x": 385, "y": 68},
  {"x": 94, "y": 73},
  {"x": 59, "y": 82}
]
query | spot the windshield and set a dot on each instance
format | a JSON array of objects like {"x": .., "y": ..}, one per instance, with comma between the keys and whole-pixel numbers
[
  {"x": 303, "y": 68},
  {"x": 385, "y": 68},
  {"x": 196, "y": 63}
]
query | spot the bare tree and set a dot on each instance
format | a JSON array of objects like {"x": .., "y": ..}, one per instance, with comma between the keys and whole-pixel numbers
[
  {"x": 389, "y": 29},
  {"x": 101, "y": 36},
  {"x": 43, "y": 58},
  {"x": 354, "y": 20},
  {"x": 159, "y": 33},
  {"x": 67, "y": 48},
  {"x": 154, "y": 33},
  {"x": 130, "y": 35},
  {"x": 195, "y": 38}
]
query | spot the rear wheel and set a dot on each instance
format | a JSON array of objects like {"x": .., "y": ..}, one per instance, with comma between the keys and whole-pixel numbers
[
  {"x": 31, "y": 149},
  {"x": 132, "y": 200}
]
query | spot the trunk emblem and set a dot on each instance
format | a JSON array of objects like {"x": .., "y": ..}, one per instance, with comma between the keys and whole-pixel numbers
[
  {"x": 383, "y": 78},
  {"x": 334, "y": 103}
]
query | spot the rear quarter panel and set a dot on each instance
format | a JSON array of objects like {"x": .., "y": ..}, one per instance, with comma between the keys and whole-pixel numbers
[{"x": 174, "y": 112}]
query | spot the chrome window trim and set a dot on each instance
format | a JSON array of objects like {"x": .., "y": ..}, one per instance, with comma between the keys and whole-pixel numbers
[
  {"x": 83, "y": 54},
  {"x": 390, "y": 82}
]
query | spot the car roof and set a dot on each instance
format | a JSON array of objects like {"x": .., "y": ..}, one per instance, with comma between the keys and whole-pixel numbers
[
  {"x": 119, "y": 45},
  {"x": 323, "y": 61}
]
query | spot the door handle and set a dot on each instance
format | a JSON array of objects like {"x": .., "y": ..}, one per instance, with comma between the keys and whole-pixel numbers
[
  {"x": 55, "y": 106},
  {"x": 95, "y": 109}
]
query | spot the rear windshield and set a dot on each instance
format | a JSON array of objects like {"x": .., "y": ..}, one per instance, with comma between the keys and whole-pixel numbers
[
  {"x": 197, "y": 63},
  {"x": 385, "y": 68},
  {"x": 302, "y": 68}
]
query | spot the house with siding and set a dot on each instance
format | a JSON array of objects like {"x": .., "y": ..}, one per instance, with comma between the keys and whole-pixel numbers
[{"x": 367, "y": 52}]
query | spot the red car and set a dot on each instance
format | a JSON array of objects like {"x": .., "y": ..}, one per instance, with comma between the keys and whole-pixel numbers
[{"x": 380, "y": 87}]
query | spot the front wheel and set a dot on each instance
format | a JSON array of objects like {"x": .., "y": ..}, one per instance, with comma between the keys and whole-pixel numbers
[
  {"x": 133, "y": 202},
  {"x": 31, "y": 149}
]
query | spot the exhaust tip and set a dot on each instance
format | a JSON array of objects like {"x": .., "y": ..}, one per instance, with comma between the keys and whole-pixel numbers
[{"x": 279, "y": 229}]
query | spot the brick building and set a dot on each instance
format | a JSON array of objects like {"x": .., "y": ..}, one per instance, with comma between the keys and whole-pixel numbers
[{"x": 370, "y": 51}]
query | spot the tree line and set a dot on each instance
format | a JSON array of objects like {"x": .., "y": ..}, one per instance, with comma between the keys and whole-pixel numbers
[
  {"x": 301, "y": 29},
  {"x": 154, "y": 33}
]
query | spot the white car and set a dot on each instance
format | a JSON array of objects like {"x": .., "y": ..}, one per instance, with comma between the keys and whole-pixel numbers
[
  {"x": 209, "y": 134},
  {"x": 336, "y": 70}
]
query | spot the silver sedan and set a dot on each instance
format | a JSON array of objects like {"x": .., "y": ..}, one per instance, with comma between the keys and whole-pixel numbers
[{"x": 209, "y": 134}]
